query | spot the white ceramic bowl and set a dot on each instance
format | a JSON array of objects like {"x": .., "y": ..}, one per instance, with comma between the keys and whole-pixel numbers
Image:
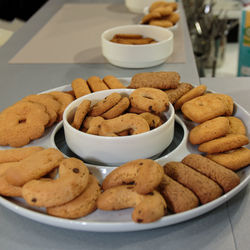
[
  {"x": 138, "y": 56},
  {"x": 116, "y": 150},
  {"x": 137, "y": 6}
]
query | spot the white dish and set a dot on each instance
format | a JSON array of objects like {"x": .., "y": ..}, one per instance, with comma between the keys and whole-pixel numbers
[
  {"x": 120, "y": 221},
  {"x": 138, "y": 56},
  {"x": 137, "y": 6}
]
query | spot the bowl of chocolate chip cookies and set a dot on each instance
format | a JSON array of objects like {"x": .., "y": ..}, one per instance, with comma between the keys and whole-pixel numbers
[
  {"x": 114, "y": 126},
  {"x": 137, "y": 46}
]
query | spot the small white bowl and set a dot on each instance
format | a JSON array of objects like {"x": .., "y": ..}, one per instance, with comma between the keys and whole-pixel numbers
[
  {"x": 138, "y": 56},
  {"x": 137, "y": 6},
  {"x": 104, "y": 150}
]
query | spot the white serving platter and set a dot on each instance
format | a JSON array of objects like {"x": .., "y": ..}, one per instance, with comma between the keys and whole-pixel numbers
[{"x": 120, "y": 221}]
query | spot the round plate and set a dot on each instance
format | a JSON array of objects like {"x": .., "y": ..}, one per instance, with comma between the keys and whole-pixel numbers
[{"x": 120, "y": 221}]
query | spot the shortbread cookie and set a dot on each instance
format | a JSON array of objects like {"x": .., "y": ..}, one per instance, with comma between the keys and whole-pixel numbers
[
  {"x": 203, "y": 187},
  {"x": 64, "y": 99},
  {"x": 113, "y": 83},
  {"x": 203, "y": 108},
  {"x": 82, "y": 205},
  {"x": 147, "y": 208},
  {"x": 132, "y": 122},
  {"x": 107, "y": 103},
  {"x": 209, "y": 130},
  {"x": 21, "y": 123},
  {"x": 222, "y": 144},
  {"x": 145, "y": 174},
  {"x": 236, "y": 126},
  {"x": 96, "y": 84},
  {"x": 80, "y": 87},
  {"x": 17, "y": 154},
  {"x": 234, "y": 159},
  {"x": 195, "y": 92},
  {"x": 117, "y": 109},
  {"x": 175, "y": 94},
  {"x": 178, "y": 197},
  {"x": 149, "y": 99},
  {"x": 81, "y": 112},
  {"x": 226, "y": 178},
  {"x": 159, "y": 80},
  {"x": 72, "y": 180},
  {"x": 34, "y": 166}
]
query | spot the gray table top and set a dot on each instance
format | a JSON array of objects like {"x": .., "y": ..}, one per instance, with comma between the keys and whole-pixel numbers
[{"x": 225, "y": 227}]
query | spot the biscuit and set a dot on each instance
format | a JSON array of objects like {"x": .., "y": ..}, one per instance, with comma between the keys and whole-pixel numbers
[
  {"x": 7, "y": 189},
  {"x": 145, "y": 40},
  {"x": 82, "y": 205},
  {"x": 149, "y": 17},
  {"x": 147, "y": 208},
  {"x": 209, "y": 130},
  {"x": 234, "y": 159},
  {"x": 81, "y": 112},
  {"x": 159, "y": 80},
  {"x": 113, "y": 83},
  {"x": 157, "y": 4},
  {"x": 203, "y": 108},
  {"x": 117, "y": 109},
  {"x": 96, "y": 84},
  {"x": 80, "y": 87},
  {"x": 227, "y": 100},
  {"x": 64, "y": 99},
  {"x": 178, "y": 197},
  {"x": 149, "y": 99},
  {"x": 195, "y": 92},
  {"x": 51, "y": 104},
  {"x": 203, "y": 187},
  {"x": 22, "y": 123},
  {"x": 236, "y": 126},
  {"x": 33, "y": 167},
  {"x": 226, "y": 178},
  {"x": 222, "y": 144},
  {"x": 153, "y": 120},
  {"x": 126, "y": 36},
  {"x": 107, "y": 103},
  {"x": 17, "y": 154},
  {"x": 175, "y": 94},
  {"x": 135, "y": 123},
  {"x": 161, "y": 23},
  {"x": 72, "y": 180},
  {"x": 173, "y": 17},
  {"x": 164, "y": 11},
  {"x": 135, "y": 110},
  {"x": 94, "y": 125},
  {"x": 145, "y": 174}
]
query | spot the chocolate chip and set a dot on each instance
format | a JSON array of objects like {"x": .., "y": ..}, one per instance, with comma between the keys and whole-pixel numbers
[
  {"x": 139, "y": 220},
  {"x": 150, "y": 193},
  {"x": 34, "y": 200},
  {"x": 76, "y": 170}
]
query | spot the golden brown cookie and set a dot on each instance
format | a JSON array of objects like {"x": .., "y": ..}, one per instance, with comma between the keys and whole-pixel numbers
[
  {"x": 226, "y": 178},
  {"x": 149, "y": 99},
  {"x": 113, "y": 83},
  {"x": 146, "y": 19},
  {"x": 72, "y": 180},
  {"x": 153, "y": 120},
  {"x": 175, "y": 94},
  {"x": 209, "y": 130},
  {"x": 222, "y": 144},
  {"x": 159, "y": 80},
  {"x": 96, "y": 84},
  {"x": 103, "y": 105},
  {"x": 117, "y": 109},
  {"x": 94, "y": 125},
  {"x": 33, "y": 167},
  {"x": 135, "y": 123},
  {"x": 161, "y": 22},
  {"x": 164, "y": 11},
  {"x": 21, "y": 123},
  {"x": 195, "y": 92},
  {"x": 203, "y": 187},
  {"x": 178, "y": 197},
  {"x": 203, "y": 108},
  {"x": 234, "y": 159},
  {"x": 173, "y": 17},
  {"x": 81, "y": 112},
  {"x": 82, "y": 205},
  {"x": 147, "y": 208},
  {"x": 80, "y": 87},
  {"x": 146, "y": 174},
  {"x": 17, "y": 154},
  {"x": 236, "y": 126}
]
